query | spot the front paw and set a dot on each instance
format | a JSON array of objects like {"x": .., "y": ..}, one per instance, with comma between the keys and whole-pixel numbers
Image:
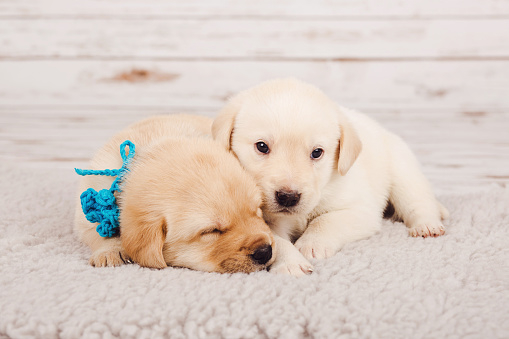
[
  {"x": 427, "y": 229},
  {"x": 313, "y": 246},
  {"x": 109, "y": 257},
  {"x": 293, "y": 264}
]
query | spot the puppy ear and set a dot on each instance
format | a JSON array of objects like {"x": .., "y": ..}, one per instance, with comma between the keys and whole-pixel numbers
[
  {"x": 350, "y": 145},
  {"x": 143, "y": 239},
  {"x": 222, "y": 127}
]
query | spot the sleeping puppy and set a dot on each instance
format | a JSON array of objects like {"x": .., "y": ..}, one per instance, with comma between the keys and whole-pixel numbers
[
  {"x": 327, "y": 173},
  {"x": 184, "y": 202}
]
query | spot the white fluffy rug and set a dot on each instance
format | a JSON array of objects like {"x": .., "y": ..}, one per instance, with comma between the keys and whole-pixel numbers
[{"x": 389, "y": 286}]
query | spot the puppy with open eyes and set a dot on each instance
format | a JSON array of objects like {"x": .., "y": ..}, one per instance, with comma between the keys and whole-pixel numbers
[
  {"x": 184, "y": 202},
  {"x": 327, "y": 172}
]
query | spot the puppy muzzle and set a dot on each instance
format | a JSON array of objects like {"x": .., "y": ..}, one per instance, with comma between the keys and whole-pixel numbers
[
  {"x": 262, "y": 255},
  {"x": 287, "y": 199}
]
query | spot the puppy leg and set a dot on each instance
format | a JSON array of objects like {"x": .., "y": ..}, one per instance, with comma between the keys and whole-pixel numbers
[
  {"x": 289, "y": 260},
  {"x": 105, "y": 251},
  {"x": 327, "y": 233},
  {"x": 412, "y": 197}
]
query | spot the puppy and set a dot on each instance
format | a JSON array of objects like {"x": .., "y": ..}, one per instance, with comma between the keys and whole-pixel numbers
[
  {"x": 327, "y": 173},
  {"x": 184, "y": 202}
]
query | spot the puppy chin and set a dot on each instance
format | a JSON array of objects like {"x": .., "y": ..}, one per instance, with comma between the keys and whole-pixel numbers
[
  {"x": 275, "y": 208},
  {"x": 233, "y": 265},
  {"x": 305, "y": 209}
]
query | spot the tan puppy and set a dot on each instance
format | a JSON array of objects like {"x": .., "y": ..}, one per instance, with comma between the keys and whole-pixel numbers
[
  {"x": 185, "y": 202},
  {"x": 327, "y": 172}
]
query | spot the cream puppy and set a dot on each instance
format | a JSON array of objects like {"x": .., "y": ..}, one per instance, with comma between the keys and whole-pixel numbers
[
  {"x": 327, "y": 173},
  {"x": 184, "y": 202}
]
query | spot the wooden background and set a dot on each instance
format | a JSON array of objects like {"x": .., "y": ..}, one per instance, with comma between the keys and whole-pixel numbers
[{"x": 436, "y": 72}]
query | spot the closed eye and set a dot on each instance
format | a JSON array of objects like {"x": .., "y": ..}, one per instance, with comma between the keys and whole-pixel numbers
[{"x": 212, "y": 231}]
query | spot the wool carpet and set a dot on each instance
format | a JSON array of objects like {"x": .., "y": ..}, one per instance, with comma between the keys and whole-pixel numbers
[{"x": 387, "y": 286}]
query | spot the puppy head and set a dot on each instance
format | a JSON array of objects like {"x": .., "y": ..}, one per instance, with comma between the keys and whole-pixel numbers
[
  {"x": 192, "y": 205},
  {"x": 291, "y": 137}
]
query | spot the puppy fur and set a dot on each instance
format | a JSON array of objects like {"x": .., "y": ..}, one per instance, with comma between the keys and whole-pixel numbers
[
  {"x": 185, "y": 202},
  {"x": 343, "y": 193}
]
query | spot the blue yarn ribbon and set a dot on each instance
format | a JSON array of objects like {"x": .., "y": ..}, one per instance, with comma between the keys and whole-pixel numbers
[{"x": 101, "y": 207}]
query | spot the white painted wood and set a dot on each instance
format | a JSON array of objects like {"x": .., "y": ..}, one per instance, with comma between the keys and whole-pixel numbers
[
  {"x": 254, "y": 39},
  {"x": 468, "y": 85},
  {"x": 266, "y": 8},
  {"x": 436, "y": 72}
]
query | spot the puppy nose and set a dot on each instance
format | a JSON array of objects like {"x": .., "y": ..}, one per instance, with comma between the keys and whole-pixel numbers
[
  {"x": 262, "y": 254},
  {"x": 287, "y": 198}
]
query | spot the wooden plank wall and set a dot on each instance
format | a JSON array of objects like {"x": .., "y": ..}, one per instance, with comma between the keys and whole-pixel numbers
[{"x": 436, "y": 72}]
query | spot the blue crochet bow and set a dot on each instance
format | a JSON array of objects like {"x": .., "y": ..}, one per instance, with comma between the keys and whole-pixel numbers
[{"x": 102, "y": 206}]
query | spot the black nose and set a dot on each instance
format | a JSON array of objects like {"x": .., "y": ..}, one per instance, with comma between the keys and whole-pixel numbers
[
  {"x": 287, "y": 198},
  {"x": 262, "y": 254}
]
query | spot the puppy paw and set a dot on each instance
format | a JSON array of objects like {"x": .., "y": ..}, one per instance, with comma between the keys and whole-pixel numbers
[
  {"x": 295, "y": 269},
  {"x": 427, "y": 230},
  {"x": 110, "y": 257},
  {"x": 313, "y": 247},
  {"x": 293, "y": 264}
]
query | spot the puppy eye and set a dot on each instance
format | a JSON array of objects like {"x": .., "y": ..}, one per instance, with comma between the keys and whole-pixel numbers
[
  {"x": 212, "y": 231},
  {"x": 317, "y": 153},
  {"x": 262, "y": 147}
]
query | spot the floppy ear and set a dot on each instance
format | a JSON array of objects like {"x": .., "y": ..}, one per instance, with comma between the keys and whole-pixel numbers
[
  {"x": 143, "y": 239},
  {"x": 350, "y": 145},
  {"x": 222, "y": 127}
]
